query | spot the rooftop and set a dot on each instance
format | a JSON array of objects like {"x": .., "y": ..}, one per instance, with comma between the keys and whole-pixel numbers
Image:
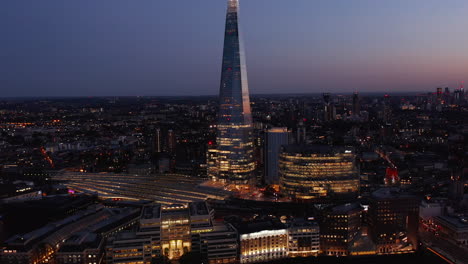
[
  {"x": 316, "y": 149},
  {"x": 151, "y": 212},
  {"x": 346, "y": 208},
  {"x": 198, "y": 208},
  {"x": 391, "y": 193},
  {"x": 458, "y": 222},
  {"x": 81, "y": 241},
  {"x": 247, "y": 228}
]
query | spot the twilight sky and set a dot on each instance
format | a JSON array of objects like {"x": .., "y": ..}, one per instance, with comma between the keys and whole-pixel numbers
[{"x": 174, "y": 47}]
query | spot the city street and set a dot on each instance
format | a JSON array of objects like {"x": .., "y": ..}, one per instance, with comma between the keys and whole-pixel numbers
[{"x": 444, "y": 247}]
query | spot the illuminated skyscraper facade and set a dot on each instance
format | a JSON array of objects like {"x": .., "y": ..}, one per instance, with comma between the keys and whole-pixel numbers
[
  {"x": 318, "y": 173},
  {"x": 233, "y": 161}
]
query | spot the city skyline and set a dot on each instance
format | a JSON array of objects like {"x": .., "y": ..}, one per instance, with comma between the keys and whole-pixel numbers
[
  {"x": 128, "y": 133},
  {"x": 98, "y": 49}
]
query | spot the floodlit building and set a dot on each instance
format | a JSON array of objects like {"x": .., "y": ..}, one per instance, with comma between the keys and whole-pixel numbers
[
  {"x": 318, "y": 172},
  {"x": 172, "y": 231},
  {"x": 233, "y": 161},
  {"x": 175, "y": 231},
  {"x": 263, "y": 245}
]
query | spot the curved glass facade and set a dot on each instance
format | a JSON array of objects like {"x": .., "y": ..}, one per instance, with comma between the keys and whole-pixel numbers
[
  {"x": 232, "y": 161},
  {"x": 318, "y": 172}
]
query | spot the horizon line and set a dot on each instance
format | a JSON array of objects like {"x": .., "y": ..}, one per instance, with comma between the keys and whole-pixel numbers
[{"x": 214, "y": 95}]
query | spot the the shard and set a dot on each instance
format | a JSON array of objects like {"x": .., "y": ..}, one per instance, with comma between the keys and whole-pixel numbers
[{"x": 232, "y": 159}]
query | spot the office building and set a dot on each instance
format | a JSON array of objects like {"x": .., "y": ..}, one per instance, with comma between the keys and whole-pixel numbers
[
  {"x": 172, "y": 231},
  {"x": 303, "y": 238},
  {"x": 393, "y": 220},
  {"x": 318, "y": 173},
  {"x": 127, "y": 247},
  {"x": 329, "y": 108},
  {"x": 274, "y": 139},
  {"x": 234, "y": 161},
  {"x": 338, "y": 227},
  {"x": 220, "y": 244},
  {"x": 158, "y": 141},
  {"x": 356, "y": 104}
]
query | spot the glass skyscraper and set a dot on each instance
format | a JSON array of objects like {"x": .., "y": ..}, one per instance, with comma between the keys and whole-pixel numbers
[{"x": 232, "y": 160}]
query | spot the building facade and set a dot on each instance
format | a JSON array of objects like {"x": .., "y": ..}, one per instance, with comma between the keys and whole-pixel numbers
[
  {"x": 274, "y": 139},
  {"x": 173, "y": 230},
  {"x": 303, "y": 239},
  {"x": 85, "y": 255},
  {"x": 318, "y": 172},
  {"x": 264, "y": 245},
  {"x": 220, "y": 244},
  {"x": 233, "y": 161},
  {"x": 356, "y": 104},
  {"x": 338, "y": 228},
  {"x": 77, "y": 239},
  {"x": 329, "y": 109},
  {"x": 393, "y": 220},
  {"x": 453, "y": 228}
]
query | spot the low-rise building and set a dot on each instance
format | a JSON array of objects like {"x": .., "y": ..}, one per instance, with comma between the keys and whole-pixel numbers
[
  {"x": 173, "y": 230},
  {"x": 303, "y": 239},
  {"x": 127, "y": 247},
  {"x": 82, "y": 248},
  {"x": 219, "y": 245},
  {"x": 454, "y": 228},
  {"x": 263, "y": 244},
  {"x": 43, "y": 244},
  {"x": 430, "y": 209}
]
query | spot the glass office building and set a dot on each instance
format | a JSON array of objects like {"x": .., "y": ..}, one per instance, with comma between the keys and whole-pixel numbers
[
  {"x": 232, "y": 159},
  {"x": 318, "y": 172}
]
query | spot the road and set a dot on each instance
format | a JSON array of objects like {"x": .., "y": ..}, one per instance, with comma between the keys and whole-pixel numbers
[{"x": 453, "y": 252}]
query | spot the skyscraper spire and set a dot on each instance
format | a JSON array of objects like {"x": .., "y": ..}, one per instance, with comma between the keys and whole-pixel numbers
[{"x": 233, "y": 162}]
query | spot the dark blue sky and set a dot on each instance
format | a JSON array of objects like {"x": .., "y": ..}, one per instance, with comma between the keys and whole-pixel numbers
[{"x": 174, "y": 47}]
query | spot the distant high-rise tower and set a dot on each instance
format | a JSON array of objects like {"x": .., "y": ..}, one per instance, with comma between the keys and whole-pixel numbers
[
  {"x": 356, "y": 104},
  {"x": 158, "y": 139},
  {"x": 387, "y": 109},
  {"x": 233, "y": 159},
  {"x": 329, "y": 108},
  {"x": 438, "y": 97}
]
